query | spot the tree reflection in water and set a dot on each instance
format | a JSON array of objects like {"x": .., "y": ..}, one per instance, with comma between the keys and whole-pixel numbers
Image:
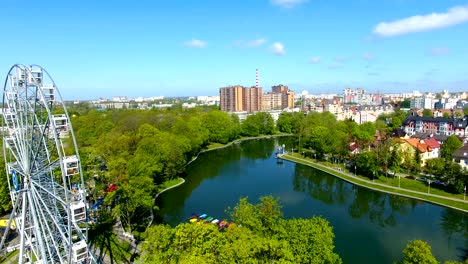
[
  {"x": 452, "y": 222},
  {"x": 379, "y": 207}
]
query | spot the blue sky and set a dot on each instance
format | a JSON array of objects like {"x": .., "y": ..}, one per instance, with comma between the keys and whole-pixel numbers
[{"x": 181, "y": 48}]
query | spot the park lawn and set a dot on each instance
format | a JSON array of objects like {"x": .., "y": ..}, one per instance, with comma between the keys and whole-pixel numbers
[
  {"x": 169, "y": 183},
  {"x": 220, "y": 145},
  {"x": 405, "y": 184},
  {"x": 215, "y": 146}
]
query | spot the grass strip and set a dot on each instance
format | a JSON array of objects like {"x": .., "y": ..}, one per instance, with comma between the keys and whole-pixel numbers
[{"x": 405, "y": 184}]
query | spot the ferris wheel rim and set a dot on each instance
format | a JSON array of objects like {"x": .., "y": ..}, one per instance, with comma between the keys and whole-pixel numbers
[{"x": 35, "y": 197}]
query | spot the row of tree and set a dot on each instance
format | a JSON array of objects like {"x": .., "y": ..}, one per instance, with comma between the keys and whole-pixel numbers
[
  {"x": 137, "y": 150},
  {"x": 321, "y": 135},
  {"x": 260, "y": 235}
]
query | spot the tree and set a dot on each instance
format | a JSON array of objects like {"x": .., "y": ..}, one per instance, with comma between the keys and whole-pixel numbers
[
  {"x": 133, "y": 200},
  {"x": 405, "y": 104},
  {"x": 435, "y": 167},
  {"x": 427, "y": 113},
  {"x": 250, "y": 126},
  {"x": 416, "y": 252},
  {"x": 287, "y": 241},
  {"x": 367, "y": 163},
  {"x": 310, "y": 240},
  {"x": 449, "y": 147},
  {"x": 284, "y": 123},
  {"x": 259, "y": 123}
]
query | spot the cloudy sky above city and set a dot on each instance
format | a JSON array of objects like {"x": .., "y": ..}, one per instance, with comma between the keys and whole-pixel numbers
[{"x": 183, "y": 48}]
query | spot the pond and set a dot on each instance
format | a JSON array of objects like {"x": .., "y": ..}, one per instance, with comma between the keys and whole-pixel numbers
[{"x": 370, "y": 227}]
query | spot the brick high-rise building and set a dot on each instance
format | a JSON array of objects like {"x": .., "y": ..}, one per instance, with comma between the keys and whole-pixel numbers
[
  {"x": 253, "y": 99},
  {"x": 272, "y": 101},
  {"x": 287, "y": 96},
  {"x": 238, "y": 99},
  {"x": 231, "y": 98}
]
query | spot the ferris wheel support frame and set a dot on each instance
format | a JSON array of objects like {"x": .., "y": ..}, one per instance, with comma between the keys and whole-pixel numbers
[{"x": 30, "y": 196}]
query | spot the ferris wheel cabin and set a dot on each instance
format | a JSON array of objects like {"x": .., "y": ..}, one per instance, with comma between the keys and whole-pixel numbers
[
  {"x": 71, "y": 165},
  {"x": 80, "y": 252},
  {"x": 61, "y": 125}
]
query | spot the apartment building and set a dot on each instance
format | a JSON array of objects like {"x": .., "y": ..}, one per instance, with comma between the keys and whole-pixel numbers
[
  {"x": 287, "y": 98},
  {"x": 238, "y": 99}
]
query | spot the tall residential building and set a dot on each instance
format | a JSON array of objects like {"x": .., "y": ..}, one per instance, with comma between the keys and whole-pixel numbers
[
  {"x": 272, "y": 101},
  {"x": 252, "y": 99},
  {"x": 231, "y": 98},
  {"x": 287, "y": 97},
  {"x": 238, "y": 99}
]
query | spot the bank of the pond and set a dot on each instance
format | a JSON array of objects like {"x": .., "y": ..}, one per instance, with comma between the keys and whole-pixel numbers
[
  {"x": 215, "y": 146},
  {"x": 449, "y": 202},
  {"x": 168, "y": 185}
]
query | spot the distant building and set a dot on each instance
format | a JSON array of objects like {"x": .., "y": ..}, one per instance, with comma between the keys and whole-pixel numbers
[
  {"x": 287, "y": 96},
  {"x": 439, "y": 125},
  {"x": 239, "y": 99},
  {"x": 272, "y": 101}
]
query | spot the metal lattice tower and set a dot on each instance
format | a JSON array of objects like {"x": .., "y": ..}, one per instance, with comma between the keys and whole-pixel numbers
[{"x": 43, "y": 169}]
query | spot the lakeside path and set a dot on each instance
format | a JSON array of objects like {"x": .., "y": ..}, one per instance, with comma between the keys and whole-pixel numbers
[
  {"x": 156, "y": 196},
  {"x": 349, "y": 177},
  {"x": 237, "y": 141}
]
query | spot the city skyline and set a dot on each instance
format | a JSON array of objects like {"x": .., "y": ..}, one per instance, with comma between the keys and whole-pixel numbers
[{"x": 175, "y": 48}]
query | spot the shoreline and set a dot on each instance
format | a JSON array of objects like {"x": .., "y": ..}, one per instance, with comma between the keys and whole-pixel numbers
[
  {"x": 207, "y": 150},
  {"x": 375, "y": 186},
  {"x": 156, "y": 196},
  {"x": 236, "y": 142}
]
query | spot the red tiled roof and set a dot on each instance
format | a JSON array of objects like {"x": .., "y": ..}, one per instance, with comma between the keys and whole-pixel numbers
[
  {"x": 431, "y": 142},
  {"x": 423, "y": 147}
]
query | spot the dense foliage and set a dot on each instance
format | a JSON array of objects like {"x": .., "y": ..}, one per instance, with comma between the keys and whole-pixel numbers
[
  {"x": 321, "y": 136},
  {"x": 260, "y": 235},
  {"x": 137, "y": 150},
  {"x": 418, "y": 251}
]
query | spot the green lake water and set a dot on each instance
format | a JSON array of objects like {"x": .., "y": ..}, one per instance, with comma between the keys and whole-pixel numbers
[{"x": 370, "y": 227}]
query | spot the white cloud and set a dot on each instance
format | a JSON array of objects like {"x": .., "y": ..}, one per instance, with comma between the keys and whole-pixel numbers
[
  {"x": 314, "y": 60},
  {"x": 368, "y": 56},
  {"x": 256, "y": 43},
  {"x": 455, "y": 15},
  {"x": 287, "y": 3},
  {"x": 439, "y": 51},
  {"x": 278, "y": 48},
  {"x": 195, "y": 43}
]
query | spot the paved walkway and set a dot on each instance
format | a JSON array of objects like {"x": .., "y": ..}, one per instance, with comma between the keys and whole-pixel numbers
[
  {"x": 156, "y": 196},
  {"x": 355, "y": 178}
]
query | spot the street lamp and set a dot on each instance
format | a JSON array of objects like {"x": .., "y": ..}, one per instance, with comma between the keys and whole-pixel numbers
[
  {"x": 354, "y": 170},
  {"x": 429, "y": 186}
]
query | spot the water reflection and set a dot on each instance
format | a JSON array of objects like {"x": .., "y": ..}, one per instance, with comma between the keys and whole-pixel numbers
[
  {"x": 381, "y": 209},
  {"x": 370, "y": 227},
  {"x": 452, "y": 222}
]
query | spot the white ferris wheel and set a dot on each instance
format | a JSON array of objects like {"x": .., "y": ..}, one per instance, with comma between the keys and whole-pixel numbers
[{"x": 43, "y": 171}]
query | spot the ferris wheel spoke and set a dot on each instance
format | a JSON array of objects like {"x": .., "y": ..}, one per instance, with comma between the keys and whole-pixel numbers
[
  {"x": 51, "y": 227},
  {"x": 39, "y": 170}
]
